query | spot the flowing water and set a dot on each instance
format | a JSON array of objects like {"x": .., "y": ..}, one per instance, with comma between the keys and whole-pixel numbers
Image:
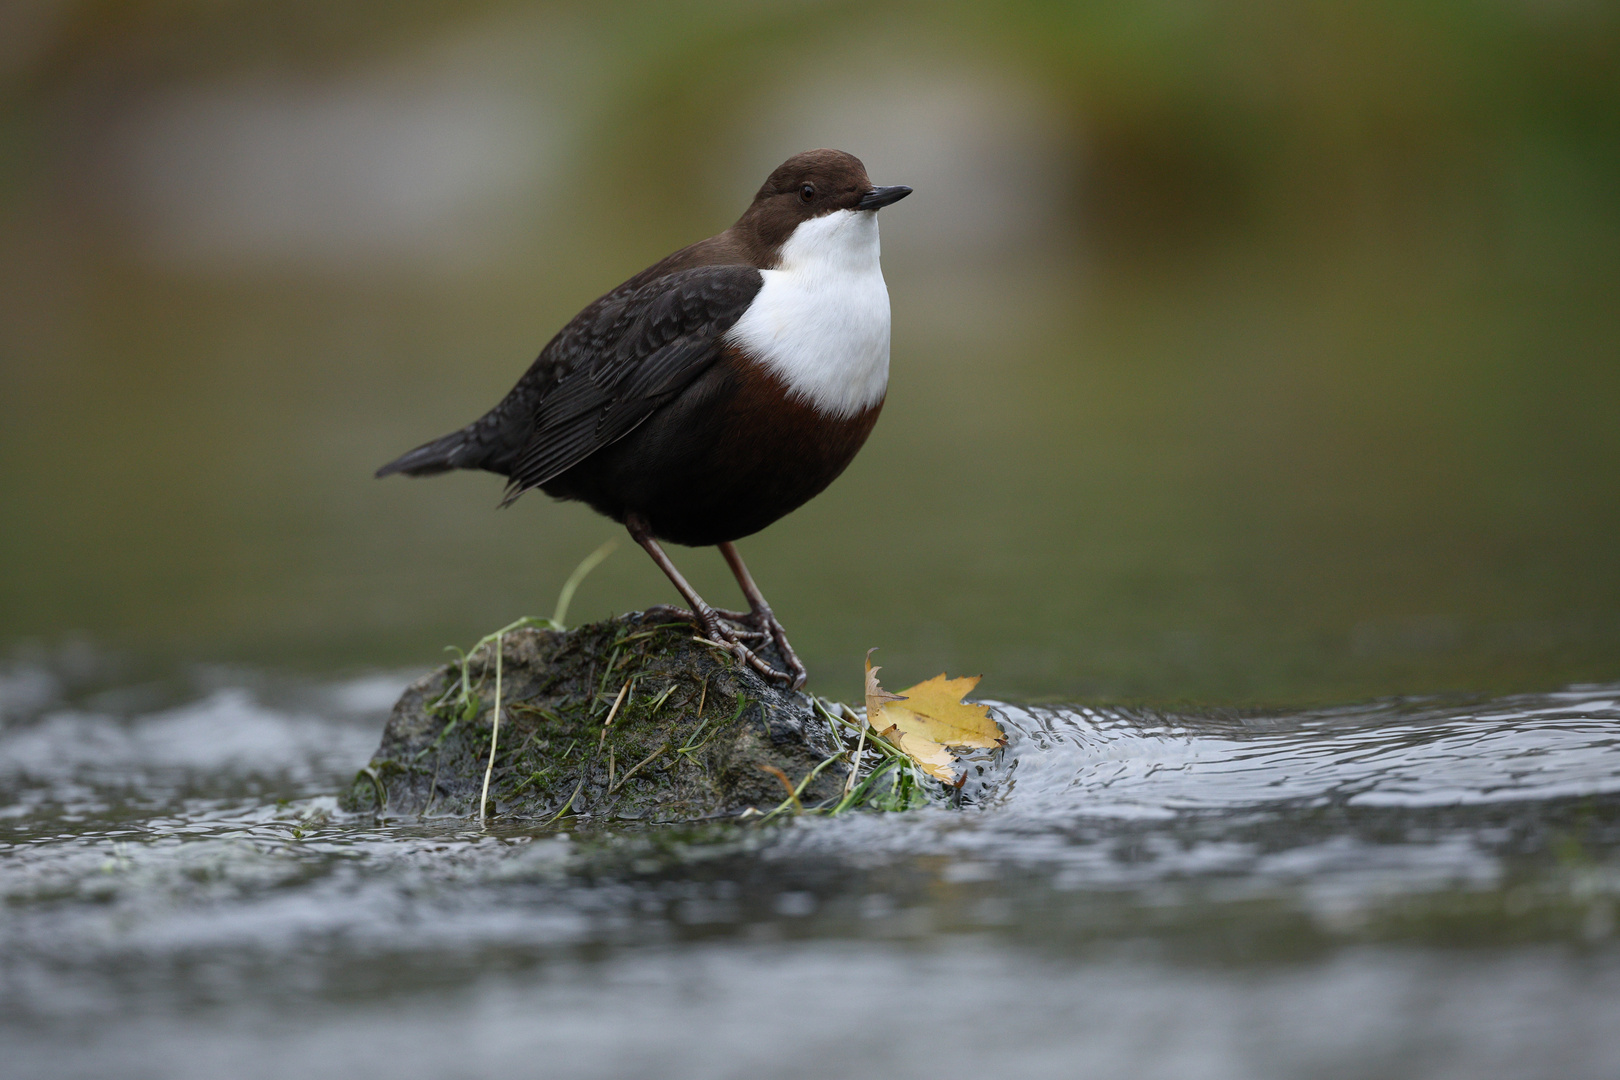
[{"x": 1409, "y": 888}]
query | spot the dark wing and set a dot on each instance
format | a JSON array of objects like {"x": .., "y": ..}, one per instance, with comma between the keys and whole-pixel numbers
[
  {"x": 619, "y": 361},
  {"x": 604, "y": 373}
]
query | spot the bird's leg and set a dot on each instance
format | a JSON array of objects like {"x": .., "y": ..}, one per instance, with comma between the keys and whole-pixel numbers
[
  {"x": 760, "y": 615},
  {"x": 705, "y": 616}
]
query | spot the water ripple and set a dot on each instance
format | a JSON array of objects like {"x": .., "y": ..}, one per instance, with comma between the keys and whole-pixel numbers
[{"x": 162, "y": 863}]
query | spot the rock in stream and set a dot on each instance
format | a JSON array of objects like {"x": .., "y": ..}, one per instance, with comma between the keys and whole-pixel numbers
[{"x": 696, "y": 735}]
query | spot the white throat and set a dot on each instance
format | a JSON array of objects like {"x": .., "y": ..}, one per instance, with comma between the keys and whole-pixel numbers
[{"x": 821, "y": 320}]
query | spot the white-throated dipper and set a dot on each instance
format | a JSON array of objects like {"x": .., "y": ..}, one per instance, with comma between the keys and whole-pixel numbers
[{"x": 715, "y": 391}]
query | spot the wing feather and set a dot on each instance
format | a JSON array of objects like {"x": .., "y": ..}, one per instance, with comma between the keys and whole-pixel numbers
[{"x": 619, "y": 361}]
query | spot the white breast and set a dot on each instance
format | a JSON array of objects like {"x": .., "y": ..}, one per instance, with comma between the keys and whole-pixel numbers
[{"x": 821, "y": 321}]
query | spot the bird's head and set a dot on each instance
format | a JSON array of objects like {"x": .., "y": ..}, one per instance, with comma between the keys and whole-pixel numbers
[{"x": 812, "y": 185}]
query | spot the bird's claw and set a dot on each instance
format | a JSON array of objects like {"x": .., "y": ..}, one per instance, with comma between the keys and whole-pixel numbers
[
  {"x": 765, "y": 625},
  {"x": 760, "y": 626},
  {"x": 670, "y": 611}
]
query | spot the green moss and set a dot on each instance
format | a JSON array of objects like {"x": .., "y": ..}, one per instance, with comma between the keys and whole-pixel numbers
[{"x": 695, "y": 735}]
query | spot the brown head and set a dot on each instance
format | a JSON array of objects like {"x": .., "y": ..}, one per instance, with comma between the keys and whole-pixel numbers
[{"x": 806, "y": 186}]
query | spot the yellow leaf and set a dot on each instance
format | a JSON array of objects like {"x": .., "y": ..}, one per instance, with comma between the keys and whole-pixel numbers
[
  {"x": 876, "y": 696},
  {"x": 934, "y": 759},
  {"x": 935, "y": 710},
  {"x": 927, "y": 718}
]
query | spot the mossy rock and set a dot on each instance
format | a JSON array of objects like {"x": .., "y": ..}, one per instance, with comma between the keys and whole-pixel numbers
[{"x": 696, "y": 736}]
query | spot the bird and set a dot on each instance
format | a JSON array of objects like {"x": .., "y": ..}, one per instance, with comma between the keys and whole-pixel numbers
[{"x": 714, "y": 392}]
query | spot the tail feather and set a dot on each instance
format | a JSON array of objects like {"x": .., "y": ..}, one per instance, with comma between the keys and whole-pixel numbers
[
  {"x": 488, "y": 443},
  {"x": 456, "y": 450}
]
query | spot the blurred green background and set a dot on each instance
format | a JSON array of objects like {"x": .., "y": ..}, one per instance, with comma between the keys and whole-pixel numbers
[{"x": 1260, "y": 352}]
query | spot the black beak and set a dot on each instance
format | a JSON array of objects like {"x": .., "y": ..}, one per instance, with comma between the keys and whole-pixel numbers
[{"x": 880, "y": 197}]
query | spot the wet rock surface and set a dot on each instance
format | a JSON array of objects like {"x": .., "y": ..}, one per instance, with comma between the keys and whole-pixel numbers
[{"x": 695, "y": 736}]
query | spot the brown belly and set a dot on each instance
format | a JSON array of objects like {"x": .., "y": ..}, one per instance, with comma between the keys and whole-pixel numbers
[{"x": 728, "y": 456}]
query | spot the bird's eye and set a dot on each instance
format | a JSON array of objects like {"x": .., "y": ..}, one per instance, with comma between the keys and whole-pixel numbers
[{"x": 807, "y": 192}]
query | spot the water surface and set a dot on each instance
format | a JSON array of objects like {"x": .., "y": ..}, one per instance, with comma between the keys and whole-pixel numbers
[{"x": 1409, "y": 888}]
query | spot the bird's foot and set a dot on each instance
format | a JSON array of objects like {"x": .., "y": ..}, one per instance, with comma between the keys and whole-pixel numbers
[
  {"x": 730, "y": 629},
  {"x": 762, "y": 624},
  {"x": 670, "y": 611}
]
